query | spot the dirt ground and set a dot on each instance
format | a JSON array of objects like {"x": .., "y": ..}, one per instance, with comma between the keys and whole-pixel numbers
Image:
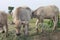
[{"x": 48, "y": 36}]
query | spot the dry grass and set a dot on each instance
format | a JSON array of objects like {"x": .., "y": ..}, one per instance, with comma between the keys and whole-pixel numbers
[{"x": 46, "y": 35}]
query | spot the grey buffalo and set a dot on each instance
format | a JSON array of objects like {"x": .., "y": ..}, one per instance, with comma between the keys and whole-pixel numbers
[
  {"x": 46, "y": 12},
  {"x": 22, "y": 16},
  {"x": 3, "y": 22}
]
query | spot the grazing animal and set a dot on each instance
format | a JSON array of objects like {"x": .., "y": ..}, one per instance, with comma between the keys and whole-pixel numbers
[
  {"x": 21, "y": 16},
  {"x": 3, "y": 22},
  {"x": 46, "y": 12}
]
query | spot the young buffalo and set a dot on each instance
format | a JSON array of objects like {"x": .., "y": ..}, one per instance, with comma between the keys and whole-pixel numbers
[
  {"x": 21, "y": 16},
  {"x": 3, "y": 22},
  {"x": 46, "y": 12}
]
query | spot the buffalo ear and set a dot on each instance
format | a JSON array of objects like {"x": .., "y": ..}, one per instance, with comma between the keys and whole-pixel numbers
[{"x": 32, "y": 15}]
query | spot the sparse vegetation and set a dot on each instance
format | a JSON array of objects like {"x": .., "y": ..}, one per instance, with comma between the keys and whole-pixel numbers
[
  {"x": 10, "y": 8},
  {"x": 46, "y": 35}
]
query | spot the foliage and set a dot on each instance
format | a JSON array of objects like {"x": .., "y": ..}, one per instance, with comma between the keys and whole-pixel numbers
[
  {"x": 32, "y": 31},
  {"x": 58, "y": 24},
  {"x": 10, "y": 9}
]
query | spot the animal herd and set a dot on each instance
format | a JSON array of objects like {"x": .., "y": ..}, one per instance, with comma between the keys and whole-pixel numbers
[{"x": 22, "y": 16}]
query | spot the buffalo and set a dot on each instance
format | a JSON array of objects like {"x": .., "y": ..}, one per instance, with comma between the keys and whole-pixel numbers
[
  {"x": 21, "y": 16},
  {"x": 3, "y": 22},
  {"x": 46, "y": 12}
]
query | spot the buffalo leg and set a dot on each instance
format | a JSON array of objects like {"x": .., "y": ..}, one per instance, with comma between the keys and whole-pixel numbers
[
  {"x": 55, "y": 20},
  {"x": 26, "y": 29},
  {"x": 6, "y": 30},
  {"x": 3, "y": 30},
  {"x": 37, "y": 22}
]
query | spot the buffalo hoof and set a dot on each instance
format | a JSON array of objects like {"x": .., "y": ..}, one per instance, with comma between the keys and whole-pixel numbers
[
  {"x": 18, "y": 34},
  {"x": 3, "y": 31},
  {"x": 26, "y": 34},
  {"x": 37, "y": 30}
]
